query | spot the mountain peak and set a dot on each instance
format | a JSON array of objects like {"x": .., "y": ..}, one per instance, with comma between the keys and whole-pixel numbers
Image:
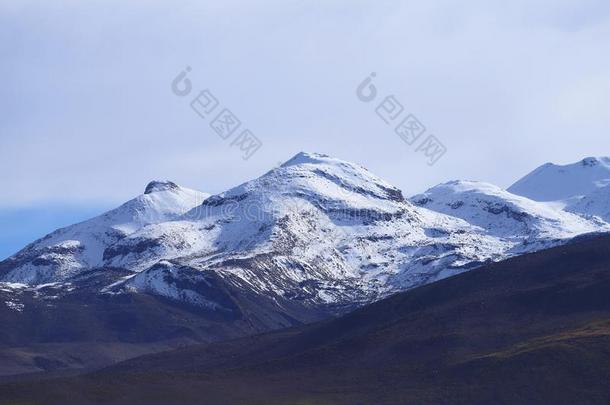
[
  {"x": 327, "y": 177},
  {"x": 308, "y": 158},
  {"x": 551, "y": 182},
  {"x": 157, "y": 185},
  {"x": 595, "y": 161},
  {"x": 465, "y": 185}
]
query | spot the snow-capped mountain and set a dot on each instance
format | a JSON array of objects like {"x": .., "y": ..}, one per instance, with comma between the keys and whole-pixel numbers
[
  {"x": 317, "y": 229},
  {"x": 582, "y": 188},
  {"x": 65, "y": 252},
  {"x": 316, "y": 232},
  {"x": 551, "y": 182},
  {"x": 504, "y": 214}
]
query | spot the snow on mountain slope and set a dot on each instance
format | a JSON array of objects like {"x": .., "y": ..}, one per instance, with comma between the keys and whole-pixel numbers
[
  {"x": 596, "y": 203},
  {"x": 551, "y": 182},
  {"x": 158, "y": 280},
  {"x": 504, "y": 214},
  {"x": 318, "y": 229},
  {"x": 299, "y": 193},
  {"x": 65, "y": 251}
]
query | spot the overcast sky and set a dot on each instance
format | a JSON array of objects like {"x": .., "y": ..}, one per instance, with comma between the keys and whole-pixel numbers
[{"x": 88, "y": 115}]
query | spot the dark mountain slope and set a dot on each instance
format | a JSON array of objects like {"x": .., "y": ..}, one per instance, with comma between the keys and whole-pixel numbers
[
  {"x": 533, "y": 329},
  {"x": 56, "y": 329}
]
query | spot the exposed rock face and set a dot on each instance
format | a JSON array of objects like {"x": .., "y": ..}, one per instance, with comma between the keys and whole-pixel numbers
[{"x": 155, "y": 186}]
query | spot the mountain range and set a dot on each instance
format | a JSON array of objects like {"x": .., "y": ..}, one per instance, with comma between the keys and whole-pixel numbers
[
  {"x": 531, "y": 329},
  {"x": 312, "y": 238}
]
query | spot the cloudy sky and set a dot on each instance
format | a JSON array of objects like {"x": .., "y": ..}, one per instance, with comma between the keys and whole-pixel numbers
[{"x": 88, "y": 115}]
